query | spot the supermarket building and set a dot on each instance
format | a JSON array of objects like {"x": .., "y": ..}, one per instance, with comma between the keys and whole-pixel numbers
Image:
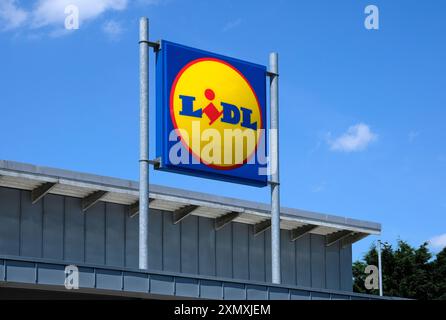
[{"x": 200, "y": 245}]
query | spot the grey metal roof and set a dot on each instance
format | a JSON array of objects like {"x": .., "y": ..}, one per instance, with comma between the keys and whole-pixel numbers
[{"x": 93, "y": 188}]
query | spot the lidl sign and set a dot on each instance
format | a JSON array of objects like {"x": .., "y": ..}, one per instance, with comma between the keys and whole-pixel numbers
[{"x": 211, "y": 115}]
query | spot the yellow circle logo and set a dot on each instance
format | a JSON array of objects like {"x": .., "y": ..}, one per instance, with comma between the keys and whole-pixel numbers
[{"x": 216, "y": 113}]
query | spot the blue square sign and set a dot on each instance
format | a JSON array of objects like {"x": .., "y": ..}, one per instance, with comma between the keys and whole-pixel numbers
[{"x": 211, "y": 115}]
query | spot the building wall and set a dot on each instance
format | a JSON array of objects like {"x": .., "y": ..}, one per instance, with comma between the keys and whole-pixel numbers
[{"x": 56, "y": 228}]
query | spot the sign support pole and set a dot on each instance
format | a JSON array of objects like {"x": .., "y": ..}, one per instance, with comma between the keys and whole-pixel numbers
[
  {"x": 380, "y": 275},
  {"x": 143, "y": 143},
  {"x": 274, "y": 145}
]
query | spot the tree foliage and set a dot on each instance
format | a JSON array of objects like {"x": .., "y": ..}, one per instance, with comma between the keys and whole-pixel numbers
[{"x": 407, "y": 272}]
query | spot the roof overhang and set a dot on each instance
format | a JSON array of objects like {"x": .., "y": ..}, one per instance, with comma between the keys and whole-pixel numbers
[{"x": 94, "y": 188}]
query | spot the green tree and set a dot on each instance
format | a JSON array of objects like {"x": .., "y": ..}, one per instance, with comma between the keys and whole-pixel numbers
[
  {"x": 439, "y": 271},
  {"x": 407, "y": 272}
]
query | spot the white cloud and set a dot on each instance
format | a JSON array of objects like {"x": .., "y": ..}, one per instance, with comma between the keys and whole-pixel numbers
[
  {"x": 50, "y": 12},
  {"x": 232, "y": 24},
  {"x": 438, "y": 242},
  {"x": 112, "y": 29},
  {"x": 11, "y": 15},
  {"x": 357, "y": 138}
]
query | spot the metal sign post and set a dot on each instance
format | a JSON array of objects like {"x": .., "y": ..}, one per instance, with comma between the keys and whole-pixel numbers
[
  {"x": 143, "y": 143},
  {"x": 380, "y": 275},
  {"x": 274, "y": 145},
  {"x": 254, "y": 92}
]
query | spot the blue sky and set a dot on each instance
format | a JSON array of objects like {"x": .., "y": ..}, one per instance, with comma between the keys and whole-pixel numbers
[{"x": 362, "y": 111}]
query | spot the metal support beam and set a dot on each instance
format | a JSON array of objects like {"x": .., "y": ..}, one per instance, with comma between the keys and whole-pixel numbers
[
  {"x": 143, "y": 143},
  {"x": 182, "y": 213},
  {"x": 337, "y": 236},
  {"x": 261, "y": 227},
  {"x": 271, "y": 74},
  {"x": 92, "y": 199},
  {"x": 220, "y": 222},
  {"x": 156, "y": 163},
  {"x": 154, "y": 45},
  {"x": 352, "y": 239},
  {"x": 134, "y": 208},
  {"x": 301, "y": 231},
  {"x": 274, "y": 167},
  {"x": 39, "y": 192}
]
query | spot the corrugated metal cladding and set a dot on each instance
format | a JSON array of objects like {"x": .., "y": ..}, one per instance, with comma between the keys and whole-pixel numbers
[{"x": 55, "y": 228}]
